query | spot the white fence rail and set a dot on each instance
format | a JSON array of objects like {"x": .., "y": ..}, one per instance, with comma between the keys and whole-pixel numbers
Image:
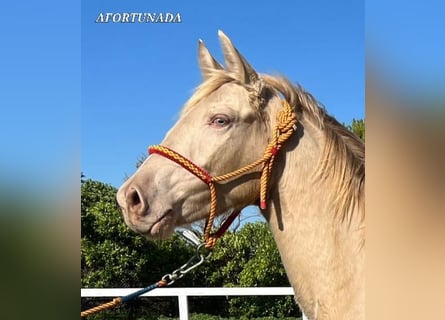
[{"x": 184, "y": 293}]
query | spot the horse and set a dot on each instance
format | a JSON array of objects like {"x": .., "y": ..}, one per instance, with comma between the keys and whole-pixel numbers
[{"x": 313, "y": 194}]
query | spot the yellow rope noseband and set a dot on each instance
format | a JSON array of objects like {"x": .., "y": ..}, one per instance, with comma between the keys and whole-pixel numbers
[{"x": 286, "y": 125}]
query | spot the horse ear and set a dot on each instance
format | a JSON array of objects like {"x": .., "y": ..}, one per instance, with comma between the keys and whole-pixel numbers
[
  {"x": 207, "y": 63},
  {"x": 236, "y": 62}
]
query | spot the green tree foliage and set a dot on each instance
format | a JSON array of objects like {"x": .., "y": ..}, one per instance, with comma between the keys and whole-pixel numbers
[
  {"x": 358, "y": 127},
  {"x": 250, "y": 258},
  {"x": 114, "y": 256}
]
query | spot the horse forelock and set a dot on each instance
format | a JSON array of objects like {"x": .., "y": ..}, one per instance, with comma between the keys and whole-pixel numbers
[{"x": 254, "y": 90}]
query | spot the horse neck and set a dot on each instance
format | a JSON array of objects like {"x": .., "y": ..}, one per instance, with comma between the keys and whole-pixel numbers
[{"x": 323, "y": 258}]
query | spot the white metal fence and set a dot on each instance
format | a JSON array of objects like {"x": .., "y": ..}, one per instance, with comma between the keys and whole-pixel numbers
[{"x": 184, "y": 293}]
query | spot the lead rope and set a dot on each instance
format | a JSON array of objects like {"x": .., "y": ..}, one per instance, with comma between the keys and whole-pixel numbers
[
  {"x": 120, "y": 300},
  {"x": 200, "y": 257}
]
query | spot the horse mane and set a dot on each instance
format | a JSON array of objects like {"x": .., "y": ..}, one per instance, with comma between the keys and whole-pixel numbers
[{"x": 342, "y": 162}]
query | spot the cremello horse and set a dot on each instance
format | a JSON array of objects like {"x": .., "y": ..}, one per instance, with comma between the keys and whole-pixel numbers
[{"x": 315, "y": 194}]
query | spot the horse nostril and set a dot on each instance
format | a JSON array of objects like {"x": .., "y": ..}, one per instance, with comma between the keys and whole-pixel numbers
[
  {"x": 135, "y": 202},
  {"x": 134, "y": 198}
]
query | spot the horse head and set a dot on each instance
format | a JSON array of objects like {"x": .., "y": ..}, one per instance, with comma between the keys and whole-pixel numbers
[{"x": 225, "y": 125}]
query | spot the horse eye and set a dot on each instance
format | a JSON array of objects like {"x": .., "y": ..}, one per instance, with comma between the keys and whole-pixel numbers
[{"x": 220, "y": 121}]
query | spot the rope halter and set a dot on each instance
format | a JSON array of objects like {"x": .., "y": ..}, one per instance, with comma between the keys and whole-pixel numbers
[{"x": 286, "y": 125}]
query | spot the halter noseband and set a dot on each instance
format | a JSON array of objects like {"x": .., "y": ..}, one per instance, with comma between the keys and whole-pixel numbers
[{"x": 286, "y": 125}]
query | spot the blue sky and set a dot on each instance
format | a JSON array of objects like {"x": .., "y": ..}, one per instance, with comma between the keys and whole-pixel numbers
[
  {"x": 39, "y": 94},
  {"x": 407, "y": 38},
  {"x": 123, "y": 95},
  {"x": 136, "y": 77}
]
